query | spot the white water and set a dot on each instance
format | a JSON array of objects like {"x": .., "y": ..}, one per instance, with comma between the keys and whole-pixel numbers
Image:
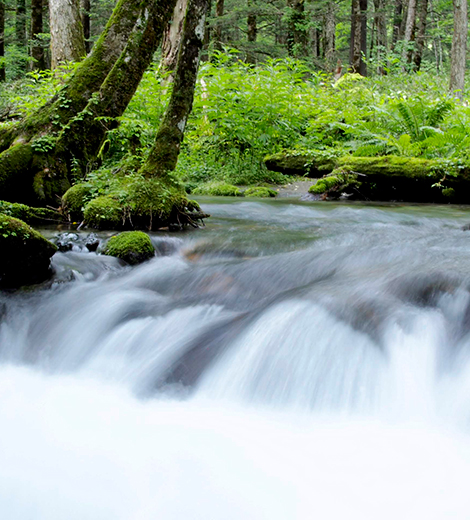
[{"x": 308, "y": 411}]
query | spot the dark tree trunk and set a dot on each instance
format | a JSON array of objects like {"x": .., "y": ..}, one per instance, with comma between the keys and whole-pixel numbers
[
  {"x": 252, "y": 34},
  {"x": 37, "y": 49},
  {"x": 381, "y": 33},
  {"x": 85, "y": 7},
  {"x": 20, "y": 23},
  {"x": 218, "y": 33},
  {"x": 164, "y": 155},
  {"x": 363, "y": 14},
  {"x": 421, "y": 34},
  {"x": 330, "y": 35},
  {"x": 459, "y": 48},
  {"x": 409, "y": 35},
  {"x": 397, "y": 22},
  {"x": 358, "y": 47},
  {"x": 297, "y": 32},
  {"x": 2, "y": 40}
]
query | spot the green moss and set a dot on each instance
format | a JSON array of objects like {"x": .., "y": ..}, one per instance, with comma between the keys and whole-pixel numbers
[
  {"x": 134, "y": 247},
  {"x": 14, "y": 163},
  {"x": 326, "y": 184},
  {"x": 26, "y": 254},
  {"x": 448, "y": 193},
  {"x": 260, "y": 191},
  {"x": 28, "y": 214},
  {"x": 218, "y": 190},
  {"x": 75, "y": 199},
  {"x": 292, "y": 162},
  {"x": 104, "y": 213}
]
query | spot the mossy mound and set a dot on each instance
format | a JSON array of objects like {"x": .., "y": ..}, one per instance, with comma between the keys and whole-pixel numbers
[
  {"x": 134, "y": 247},
  {"x": 261, "y": 192},
  {"x": 75, "y": 199},
  {"x": 218, "y": 190},
  {"x": 292, "y": 162},
  {"x": 28, "y": 214},
  {"x": 335, "y": 184},
  {"x": 26, "y": 254},
  {"x": 143, "y": 204}
]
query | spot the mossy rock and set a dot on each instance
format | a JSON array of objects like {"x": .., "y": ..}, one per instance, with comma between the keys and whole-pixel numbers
[
  {"x": 134, "y": 247},
  {"x": 261, "y": 192},
  {"x": 292, "y": 162},
  {"x": 26, "y": 254},
  {"x": 219, "y": 190},
  {"x": 28, "y": 214},
  {"x": 75, "y": 199},
  {"x": 335, "y": 184},
  {"x": 104, "y": 212}
]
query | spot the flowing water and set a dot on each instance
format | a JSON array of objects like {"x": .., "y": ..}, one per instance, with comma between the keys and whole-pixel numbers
[{"x": 289, "y": 361}]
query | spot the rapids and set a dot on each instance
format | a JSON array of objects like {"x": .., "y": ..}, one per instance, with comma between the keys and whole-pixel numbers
[{"x": 289, "y": 361}]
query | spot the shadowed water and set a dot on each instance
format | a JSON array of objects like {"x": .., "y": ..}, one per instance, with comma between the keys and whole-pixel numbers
[{"x": 288, "y": 361}]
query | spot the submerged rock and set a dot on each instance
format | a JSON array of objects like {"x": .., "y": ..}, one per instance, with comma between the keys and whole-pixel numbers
[
  {"x": 26, "y": 254},
  {"x": 134, "y": 247}
]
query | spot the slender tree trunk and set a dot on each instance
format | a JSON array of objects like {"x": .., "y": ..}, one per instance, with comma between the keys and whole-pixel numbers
[
  {"x": 381, "y": 36},
  {"x": 251, "y": 34},
  {"x": 297, "y": 32},
  {"x": 67, "y": 38},
  {"x": 397, "y": 22},
  {"x": 330, "y": 35},
  {"x": 37, "y": 49},
  {"x": 219, "y": 13},
  {"x": 172, "y": 39},
  {"x": 358, "y": 47},
  {"x": 2, "y": 40},
  {"x": 85, "y": 6},
  {"x": 20, "y": 23},
  {"x": 421, "y": 33},
  {"x": 363, "y": 13},
  {"x": 459, "y": 48},
  {"x": 409, "y": 31},
  {"x": 164, "y": 155}
]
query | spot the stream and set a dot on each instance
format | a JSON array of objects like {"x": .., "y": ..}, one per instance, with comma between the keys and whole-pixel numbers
[{"x": 289, "y": 361}]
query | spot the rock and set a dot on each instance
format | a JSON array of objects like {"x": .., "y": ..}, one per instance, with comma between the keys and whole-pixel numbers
[
  {"x": 92, "y": 242},
  {"x": 218, "y": 190},
  {"x": 74, "y": 201},
  {"x": 26, "y": 254},
  {"x": 292, "y": 162},
  {"x": 28, "y": 214},
  {"x": 134, "y": 247},
  {"x": 260, "y": 191},
  {"x": 66, "y": 241}
]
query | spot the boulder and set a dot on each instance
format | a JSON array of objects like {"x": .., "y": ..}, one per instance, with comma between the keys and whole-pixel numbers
[{"x": 134, "y": 247}]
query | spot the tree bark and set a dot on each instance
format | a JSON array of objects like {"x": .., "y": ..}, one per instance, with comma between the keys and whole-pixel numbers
[
  {"x": 219, "y": 13},
  {"x": 397, "y": 22},
  {"x": 67, "y": 38},
  {"x": 421, "y": 34},
  {"x": 37, "y": 49},
  {"x": 164, "y": 155},
  {"x": 252, "y": 33},
  {"x": 297, "y": 32},
  {"x": 409, "y": 31},
  {"x": 381, "y": 34},
  {"x": 85, "y": 6},
  {"x": 2, "y": 40},
  {"x": 330, "y": 35},
  {"x": 20, "y": 23},
  {"x": 459, "y": 48},
  {"x": 358, "y": 36},
  {"x": 172, "y": 40}
]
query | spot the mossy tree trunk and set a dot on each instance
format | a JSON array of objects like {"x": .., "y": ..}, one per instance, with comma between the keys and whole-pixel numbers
[
  {"x": 28, "y": 161},
  {"x": 85, "y": 7},
  {"x": 172, "y": 40},
  {"x": 164, "y": 154},
  {"x": 2, "y": 40}
]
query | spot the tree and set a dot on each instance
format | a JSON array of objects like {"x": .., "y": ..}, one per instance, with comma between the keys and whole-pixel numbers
[
  {"x": 330, "y": 34},
  {"x": 410, "y": 26},
  {"x": 67, "y": 37},
  {"x": 85, "y": 6},
  {"x": 219, "y": 13},
  {"x": 2, "y": 40},
  {"x": 37, "y": 49},
  {"x": 421, "y": 34},
  {"x": 252, "y": 32},
  {"x": 459, "y": 47},
  {"x": 380, "y": 23},
  {"x": 297, "y": 28},
  {"x": 20, "y": 23},
  {"x": 358, "y": 45},
  {"x": 172, "y": 39}
]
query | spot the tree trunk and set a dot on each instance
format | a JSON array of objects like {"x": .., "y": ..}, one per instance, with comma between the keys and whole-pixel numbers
[
  {"x": 397, "y": 22},
  {"x": 172, "y": 39},
  {"x": 20, "y": 23},
  {"x": 421, "y": 34},
  {"x": 330, "y": 35},
  {"x": 381, "y": 34},
  {"x": 67, "y": 38},
  {"x": 25, "y": 173},
  {"x": 37, "y": 49},
  {"x": 409, "y": 31},
  {"x": 252, "y": 34},
  {"x": 164, "y": 155},
  {"x": 219, "y": 13},
  {"x": 297, "y": 29},
  {"x": 2, "y": 40},
  {"x": 358, "y": 47},
  {"x": 85, "y": 6},
  {"x": 459, "y": 48}
]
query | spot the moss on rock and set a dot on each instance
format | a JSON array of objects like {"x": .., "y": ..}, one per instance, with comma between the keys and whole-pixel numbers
[
  {"x": 219, "y": 190},
  {"x": 75, "y": 199},
  {"x": 26, "y": 254},
  {"x": 28, "y": 214},
  {"x": 104, "y": 212},
  {"x": 292, "y": 162},
  {"x": 134, "y": 247},
  {"x": 261, "y": 192}
]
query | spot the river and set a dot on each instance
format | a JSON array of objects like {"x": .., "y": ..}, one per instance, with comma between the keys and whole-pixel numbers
[{"x": 289, "y": 361}]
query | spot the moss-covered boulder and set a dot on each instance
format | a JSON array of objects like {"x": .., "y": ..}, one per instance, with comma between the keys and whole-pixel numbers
[
  {"x": 28, "y": 214},
  {"x": 336, "y": 184},
  {"x": 292, "y": 162},
  {"x": 104, "y": 212},
  {"x": 260, "y": 192},
  {"x": 218, "y": 190},
  {"x": 134, "y": 247},
  {"x": 75, "y": 199},
  {"x": 25, "y": 254}
]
